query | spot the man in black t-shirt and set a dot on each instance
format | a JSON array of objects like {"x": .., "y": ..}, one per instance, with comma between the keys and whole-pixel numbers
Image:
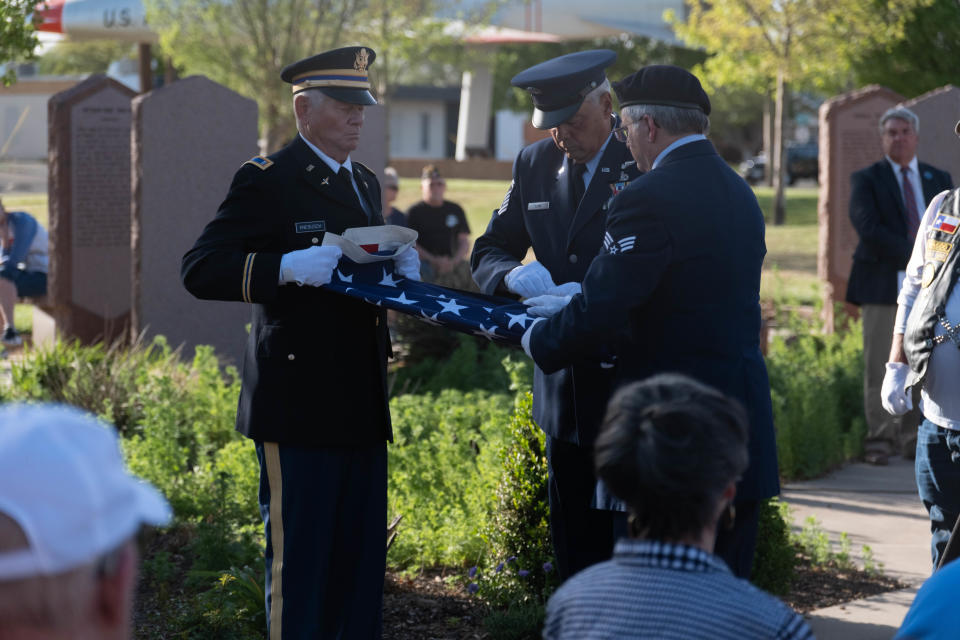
[{"x": 444, "y": 235}]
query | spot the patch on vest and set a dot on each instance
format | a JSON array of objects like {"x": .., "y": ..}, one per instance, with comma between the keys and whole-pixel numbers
[
  {"x": 938, "y": 250},
  {"x": 929, "y": 273},
  {"x": 945, "y": 223}
]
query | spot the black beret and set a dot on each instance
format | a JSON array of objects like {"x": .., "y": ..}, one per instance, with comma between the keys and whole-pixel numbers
[
  {"x": 558, "y": 86},
  {"x": 340, "y": 74},
  {"x": 662, "y": 84}
]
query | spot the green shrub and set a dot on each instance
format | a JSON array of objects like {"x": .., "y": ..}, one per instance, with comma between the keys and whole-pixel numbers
[
  {"x": 816, "y": 383},
  {"x": 473, "y": 365},
  {"x": 443, "y": 471},
  {"x": 517, "y": 568},
  {"x": 774, "y": 559}
]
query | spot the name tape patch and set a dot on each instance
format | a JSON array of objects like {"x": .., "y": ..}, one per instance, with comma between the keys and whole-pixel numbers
[
  {"x": 311, "y": 227},
  {"x": 537, "y": 206},
  {"x": 937, "y": 250}
]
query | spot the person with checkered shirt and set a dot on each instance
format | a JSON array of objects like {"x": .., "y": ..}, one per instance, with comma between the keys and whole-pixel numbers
[{"x": 672, "y": 449}]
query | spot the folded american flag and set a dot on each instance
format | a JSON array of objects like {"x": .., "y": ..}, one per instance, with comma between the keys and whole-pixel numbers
[{"x": 498, "y": 319}]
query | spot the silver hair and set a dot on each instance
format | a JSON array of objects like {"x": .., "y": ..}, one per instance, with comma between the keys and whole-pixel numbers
[
  {"x": 673, "y": 120},
  {"x": 315, "y": 98},
  {"x": 901, "y": 113},
  {"x": 597, "y": 94}
]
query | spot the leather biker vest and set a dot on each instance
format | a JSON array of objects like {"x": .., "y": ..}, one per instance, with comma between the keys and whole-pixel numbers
[{"x": 940, "y": 272}]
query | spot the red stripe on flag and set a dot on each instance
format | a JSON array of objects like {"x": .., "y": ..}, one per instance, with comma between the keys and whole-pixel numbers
[{"x": 370, "y": 248}]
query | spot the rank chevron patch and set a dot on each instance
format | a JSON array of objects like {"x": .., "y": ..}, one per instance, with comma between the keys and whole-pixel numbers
[{"x": 622, "y": 245}]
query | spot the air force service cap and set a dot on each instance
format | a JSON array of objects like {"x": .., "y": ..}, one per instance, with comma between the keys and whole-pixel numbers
[
  {"x": 662, "y": 84},
  {"x": 340, "y": 74},
  {"x": 558, "y": 86}
]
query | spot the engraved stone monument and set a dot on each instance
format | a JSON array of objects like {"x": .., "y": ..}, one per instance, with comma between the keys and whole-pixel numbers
[
  {"x": 189, "y": 138},
  {"x": 849, "y": 141},
  {"x": 939, "y": 111},
  {"x": 89, "y": 203}
]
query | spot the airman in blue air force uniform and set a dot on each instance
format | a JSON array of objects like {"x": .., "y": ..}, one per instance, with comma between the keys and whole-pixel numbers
[
  {"x": 676, "y": 286},
  {"x": 557, "y": 204},
  {"x": 314, "y": 394}
]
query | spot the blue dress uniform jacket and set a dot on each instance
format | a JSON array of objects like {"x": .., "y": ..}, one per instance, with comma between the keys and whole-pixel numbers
[
  {"x": 568, "y": 404},
  {"x": 305, "y": 343},
  {"x": 879, "y": 215},
  {"x": 677, "y": 289}
]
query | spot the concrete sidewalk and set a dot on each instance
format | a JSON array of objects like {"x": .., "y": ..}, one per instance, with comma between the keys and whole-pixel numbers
[{"x": 878, "y": 507}]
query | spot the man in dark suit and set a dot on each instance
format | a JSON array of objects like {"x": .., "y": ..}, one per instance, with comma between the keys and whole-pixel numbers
[
  {"x": 314, "y": 393},
  {"x": 887, "y": 200},
  {"x": 676, "y": 286},
  {"x": 557, "y": 204}
]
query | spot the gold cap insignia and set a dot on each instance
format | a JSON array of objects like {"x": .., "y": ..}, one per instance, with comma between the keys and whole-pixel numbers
[{"x": 362, "y": 60}]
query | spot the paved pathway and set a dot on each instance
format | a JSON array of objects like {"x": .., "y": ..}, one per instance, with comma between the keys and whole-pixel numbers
[{"x": 875, "y": 506}]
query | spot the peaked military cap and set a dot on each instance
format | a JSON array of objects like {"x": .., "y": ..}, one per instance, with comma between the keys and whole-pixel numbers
[
  {"x": 662, "y": 84},
  {"x": 558, "y": 86},
  {"x": 340, "y": 74}
]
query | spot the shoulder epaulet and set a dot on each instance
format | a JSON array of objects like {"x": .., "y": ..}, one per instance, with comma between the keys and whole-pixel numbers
[
  {"x": 364, "y": 167},
  {"x": 261, "y": 162}
]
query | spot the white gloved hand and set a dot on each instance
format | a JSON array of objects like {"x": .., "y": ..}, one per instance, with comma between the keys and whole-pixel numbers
[
  {"x": 529, "y": 280},
  {"x": 525, "y": 340},
  {"x": 407, "y": 263},
  {"x": 312, "y": 267},
  {"x": 565, "y": 289},
  {"x": 896, "y": 399},
  {"x": 546, "y": 305}
]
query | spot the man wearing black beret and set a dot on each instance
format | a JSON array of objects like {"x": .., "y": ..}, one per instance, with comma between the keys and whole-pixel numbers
[
  {"x": 676, "y": 285},
  {"x": 557, "y": 205},
  {"x": 314, "y": 393}
]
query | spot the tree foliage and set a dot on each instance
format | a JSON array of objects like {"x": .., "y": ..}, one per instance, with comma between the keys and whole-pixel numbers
[
  {"x": 924, "y": 58},
  {"x": 776, "y": 45},
  {"x": 92, "y": 56},
  {"x": 244, "y": 44},
  {"x": 18, "y": 34},
  {"x": 633, "y": 52}
]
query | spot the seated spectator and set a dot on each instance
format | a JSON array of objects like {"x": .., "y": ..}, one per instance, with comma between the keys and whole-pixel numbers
[
  {"x": 23, "y": 266},
  {"x": 672, "y": 450},
  {"x": 444, "y": 240},
  {"x": 69, "y": 516},
  {"x": 934, "y": 614},
  {"x": 391, "y": 188}
]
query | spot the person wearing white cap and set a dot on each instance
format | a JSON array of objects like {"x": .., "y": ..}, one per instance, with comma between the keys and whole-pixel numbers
[{"x": 69, "y": 515}]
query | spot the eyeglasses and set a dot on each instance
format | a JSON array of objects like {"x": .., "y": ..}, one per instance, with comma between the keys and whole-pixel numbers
[{"x": 620, "y": 133}]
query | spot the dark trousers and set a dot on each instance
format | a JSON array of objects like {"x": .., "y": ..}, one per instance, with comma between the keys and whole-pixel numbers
[
  {"x": 938, "y": 481},
  {"x": 736, "y": 544},
  {"x": 581, "y": 536},
  {"x": 325, "y": 513}
]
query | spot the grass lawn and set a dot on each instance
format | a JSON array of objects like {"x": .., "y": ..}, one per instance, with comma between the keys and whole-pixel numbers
[{"x": 790, "y": 269}]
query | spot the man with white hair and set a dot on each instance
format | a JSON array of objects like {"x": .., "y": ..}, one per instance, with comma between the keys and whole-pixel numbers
[
  {"x": 69, "y": 516},
  {"x": 556, "y": 206},
  {"x": 886, "y": 202},
  {"x": 314, "y": 393}
]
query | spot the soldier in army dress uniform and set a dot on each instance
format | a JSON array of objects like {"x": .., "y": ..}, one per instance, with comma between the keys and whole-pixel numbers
[{"x": 314, "y": 393}]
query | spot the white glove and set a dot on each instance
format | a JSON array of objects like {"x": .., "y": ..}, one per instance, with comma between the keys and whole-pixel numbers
[
  {"x": 525, "y": 340},
  {"x": 895, "y": 398},
  {"x": 546, "y": 305},
  {"x": 565, "y": 289},
  {"x": 529, "y": 280},
  {"x": 407, "y": 263},
  {"x": 312, "y": 267}
]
